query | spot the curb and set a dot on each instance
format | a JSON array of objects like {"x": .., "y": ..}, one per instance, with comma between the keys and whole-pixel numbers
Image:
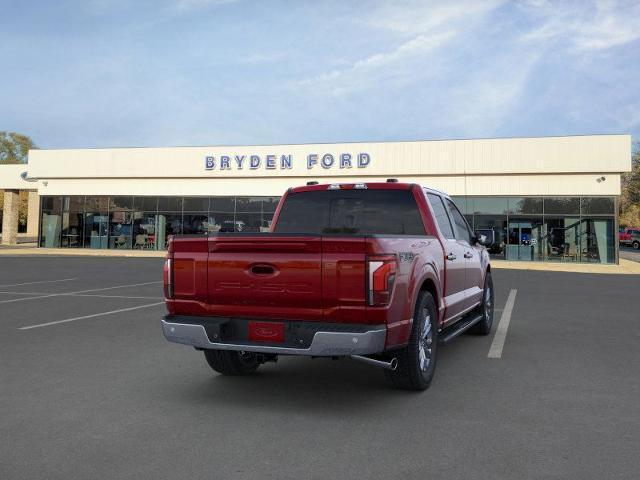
[
  {"x": 626, "y": 267},
  {"x": 81, "y": 252}
]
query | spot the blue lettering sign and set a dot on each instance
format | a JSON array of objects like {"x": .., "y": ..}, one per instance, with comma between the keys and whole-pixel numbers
[
  {"x": 285, "y": 162},
  {"x": 345, "y": 160},
  {"x": 363, "y": 160},
  {"x": 327, "y": 160},
  {"x": 270, "y": 163}
]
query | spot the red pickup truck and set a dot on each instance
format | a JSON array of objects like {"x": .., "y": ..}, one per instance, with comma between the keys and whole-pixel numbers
[
  {"x": 378, "y": 272},
  {"x": 629, "y": 237}
]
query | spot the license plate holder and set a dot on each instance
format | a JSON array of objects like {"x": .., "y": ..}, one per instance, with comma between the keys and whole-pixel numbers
[{"x": 266, "y": 332}]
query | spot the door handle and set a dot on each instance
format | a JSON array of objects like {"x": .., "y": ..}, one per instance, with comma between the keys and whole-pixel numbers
[
  {"x": 451, "y": 256},
  {"x": 262, "y": 269},
  {"x": 468, "y": 255}
]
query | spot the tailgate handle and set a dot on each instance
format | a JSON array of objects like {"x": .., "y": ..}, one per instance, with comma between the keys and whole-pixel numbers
[{"x": 262, "y": 269}]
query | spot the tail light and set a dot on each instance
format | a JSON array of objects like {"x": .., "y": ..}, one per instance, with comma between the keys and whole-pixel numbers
[
  {"x": 382, "y": 276},
  {"x": 167, "y": 275}
]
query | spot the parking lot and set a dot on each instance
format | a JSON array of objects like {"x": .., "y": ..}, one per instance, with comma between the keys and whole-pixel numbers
[
  {"x": 89, "y": 388},
  {"x": 630, "y": 253}
]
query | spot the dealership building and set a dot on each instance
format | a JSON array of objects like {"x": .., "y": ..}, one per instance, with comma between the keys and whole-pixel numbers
[{"x": 546, "y": 198}]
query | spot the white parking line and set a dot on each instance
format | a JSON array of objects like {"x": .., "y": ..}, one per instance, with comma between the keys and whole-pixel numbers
[
  {"x": 495, "y": 351},
  {"x": 79, "y": 291},
  {"x": 41, "y": 281},
  {"x": 78, "y": 295},
  {"x": 84, "y": 317}
]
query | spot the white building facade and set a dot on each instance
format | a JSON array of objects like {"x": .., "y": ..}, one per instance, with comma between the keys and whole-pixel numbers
[{"x": 547, "y": 198}]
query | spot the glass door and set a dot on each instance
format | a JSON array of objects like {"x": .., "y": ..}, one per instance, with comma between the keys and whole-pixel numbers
[
  {"x": 96, "y": 230},
  {"x": 524, "y": 240}
]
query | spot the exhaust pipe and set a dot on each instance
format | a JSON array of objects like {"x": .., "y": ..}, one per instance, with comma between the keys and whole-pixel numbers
[{"x": 390, "y": 365}]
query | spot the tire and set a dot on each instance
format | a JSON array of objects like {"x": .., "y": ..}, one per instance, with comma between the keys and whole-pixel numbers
[
  {"x": 417, "y": 361},
  {"x": 636, "y": 245},
  {"x": 232, "y": 363},
  {"x": 483, "y": 327}
]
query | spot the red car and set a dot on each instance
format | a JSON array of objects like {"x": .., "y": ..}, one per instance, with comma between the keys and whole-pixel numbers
[
  {"x": 629, "y": 237},
  {"x": 378, "y": 272}
]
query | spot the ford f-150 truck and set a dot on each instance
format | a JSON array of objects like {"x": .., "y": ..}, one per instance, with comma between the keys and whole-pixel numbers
[{"x": 378, "y": 272}]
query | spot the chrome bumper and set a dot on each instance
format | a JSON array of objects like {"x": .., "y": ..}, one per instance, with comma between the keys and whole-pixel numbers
[{"x": 324, "y": 344}]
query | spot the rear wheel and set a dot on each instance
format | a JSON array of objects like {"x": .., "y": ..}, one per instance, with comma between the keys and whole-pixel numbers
[
  {"x": 232, "y": 363},
  {"x": 417, "y": 361},
  {"x": 636, "y": 245},
  {"x": 483, "y": 327}
]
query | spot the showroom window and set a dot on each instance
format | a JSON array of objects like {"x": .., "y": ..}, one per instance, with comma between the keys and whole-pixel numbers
[
  {"x": 146, "y": 223},
  {"x": 562, "y": 229}
]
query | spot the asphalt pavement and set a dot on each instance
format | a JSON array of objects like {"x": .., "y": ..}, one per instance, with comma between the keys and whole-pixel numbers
[
  {"x": 93, "y": 390},
  {"x": 629, "y": 253}
]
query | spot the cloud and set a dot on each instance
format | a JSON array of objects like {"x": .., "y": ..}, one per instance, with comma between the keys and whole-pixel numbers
[
  {"x": 365, "y": 72},
  {"x": 605, "y": 25},
  {"x": 419, "y": 30},
  {"x": 481, "y": 104},
  {"x": 420, "y": 17}
]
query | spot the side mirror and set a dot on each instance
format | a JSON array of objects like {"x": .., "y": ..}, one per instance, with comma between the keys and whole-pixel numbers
[{"x": 486, "y": 238}]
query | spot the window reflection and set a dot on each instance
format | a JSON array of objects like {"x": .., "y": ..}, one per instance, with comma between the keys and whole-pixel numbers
[
  {"x": 167, "y": 224},
  {"x": 565, "y": 228},
  {"x": 562, "y": 205},
  {"x": 144, "y": 230},
  {"x": 120, "y": 230},
  {"x": 525, "y": 206},
  {"x": 498, "y": 226},
  {"x": 597, "y": 206},
  {"x": 72, "y": 222},
  {"x": 488, "y": 205},
  {"x": 194, "y": 223},
  {"x": 51, "y": 224}
]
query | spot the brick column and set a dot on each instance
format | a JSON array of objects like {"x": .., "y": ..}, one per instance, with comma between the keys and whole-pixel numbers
[
  {"x": 33, "y": 214},
  {"x": 10, "y": 217}
]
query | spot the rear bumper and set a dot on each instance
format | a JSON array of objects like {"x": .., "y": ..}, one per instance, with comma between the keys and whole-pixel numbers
[{"x": 323, "y": 343}]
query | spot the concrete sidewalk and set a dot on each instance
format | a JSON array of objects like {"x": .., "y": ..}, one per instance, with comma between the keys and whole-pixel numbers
[
  {"x": 626, "y": 267},
  {"x": 84, "y": 252}
]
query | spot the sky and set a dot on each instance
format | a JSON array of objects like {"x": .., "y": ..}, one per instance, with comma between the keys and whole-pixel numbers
[{"x": 115, "y": 73}]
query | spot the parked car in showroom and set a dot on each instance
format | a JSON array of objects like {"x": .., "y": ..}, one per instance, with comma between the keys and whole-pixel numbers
[{"x": 379, "y": 272}]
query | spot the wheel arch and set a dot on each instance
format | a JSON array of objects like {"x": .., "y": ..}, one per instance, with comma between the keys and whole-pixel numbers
[{"x": 429, "y": 285}]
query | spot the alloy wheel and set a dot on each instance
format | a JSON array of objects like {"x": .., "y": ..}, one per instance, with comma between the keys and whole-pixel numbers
[
  {"x": 425, "y": 347},
  {"x": 488, "y": 302}
]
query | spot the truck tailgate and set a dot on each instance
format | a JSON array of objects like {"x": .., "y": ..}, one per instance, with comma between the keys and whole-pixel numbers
[{"x": 266, "y": 276}]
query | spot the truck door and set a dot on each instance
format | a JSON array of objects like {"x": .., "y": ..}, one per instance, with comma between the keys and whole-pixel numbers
[
  {"x": 474, "y": 276},
  {"x": 455, "y": 262}
]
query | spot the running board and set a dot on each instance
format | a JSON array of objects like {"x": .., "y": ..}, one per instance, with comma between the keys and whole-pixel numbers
[{"x": 458, "y": 328}]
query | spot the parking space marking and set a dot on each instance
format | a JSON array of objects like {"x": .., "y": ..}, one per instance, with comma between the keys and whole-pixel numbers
[
  {"x": 84, "y": 317},
  {"x": 80, "y": 295},
  {"x": 40, "y": 281},
  {"x": 495, "y": 351},
  {"x": 79, "y": 291}
]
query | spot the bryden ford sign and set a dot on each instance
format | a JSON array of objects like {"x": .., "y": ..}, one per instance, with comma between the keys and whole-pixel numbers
[{"x": 286, "y": 162}]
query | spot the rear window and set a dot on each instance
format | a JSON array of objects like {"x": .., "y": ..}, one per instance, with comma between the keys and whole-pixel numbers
[{"x": 357, "y": 212}]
